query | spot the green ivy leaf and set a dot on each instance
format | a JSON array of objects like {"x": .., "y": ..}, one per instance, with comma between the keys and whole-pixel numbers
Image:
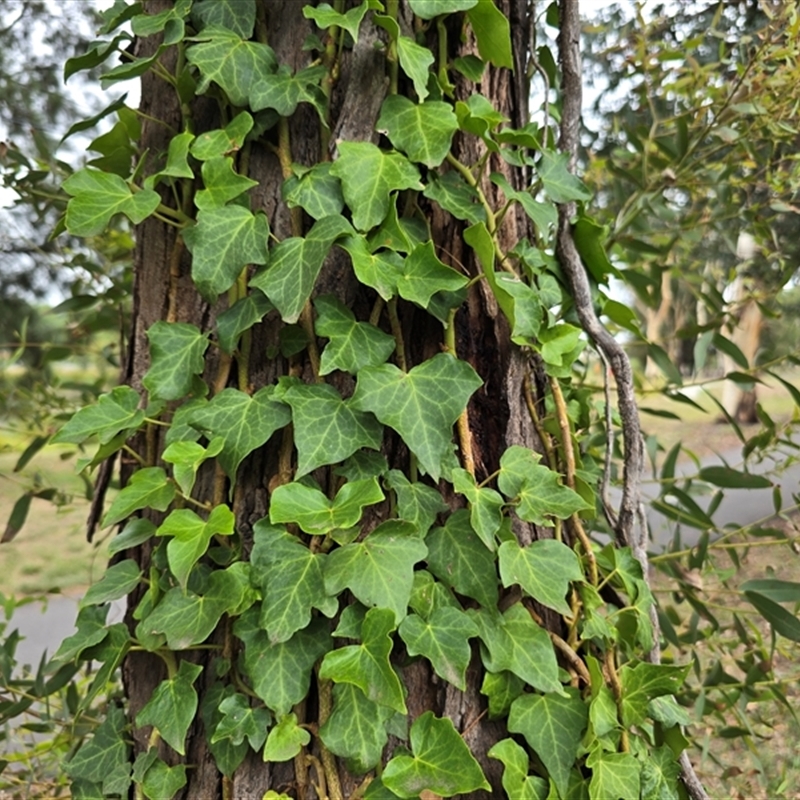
[
  {"x": 232, "y": 62},
  {"x": 353, "y": 345},
  {"x": 378, "y": 570},
  {"x": 104, "y": 759},
  {"x": 283, "y": 91},
  {"x": 148, "y": 488},
  {"x": 441, "y": 762},
  {"x": 416, "y": 503},
  {"x": 326, "y": 17},
  {"x": 552, "y": 724},
  {"x": 176, "y": 356},
  {"x": 91, "y": 630},
  {"x": 117, "y": 581},
  {"x": 486, "y": 506},
  {"x": 326, "y": 428},
  {"x": 560, "y": 345},
  {"x": 173, "y": 706},
  {"x": 493, "y": 32},
  {"x": 456, "y": 197},
  {"x": 516, "y": 643},
  {"x": 659, "y": 776},
  {"x": 356, "y": 729},
  {"x": 458, "y": 558},
  {"x": 526, "y": 307},
  {"x": 420, "y": 405},
  {"x": 516, "y": 781},
  {"x": 415, "y": 61},
  {"x": 613, "y": 774},
  {"x": 157, "y": 780},
  {"x": 423, "y": 132},
  {"x": 222, "y": 141},
  {"x": 227, "y": 755},
  {"x": 315, "y": 513},
  {"x": 291, "y": 579},
  {"x": 368, "y": 177},
  {"x": 97, "y": 196},
  {"x": 241, "y": 721},
  {"x": 380, "y": 270},
  {"x": 187, "y": 457},
  {"x": 642, "y": 682},
  {"x": 286, "y": 740},
  {"x": 222, "y": 243},
  {"x": 314, "y": 190},
  {"x": 280, "y": 673},
  {"x": 543, "y": 569},
  {"x": 502, "y": 689},
  {"x": 367, "y": 665},
  {"x": 295, "y": 265},
  {"x": 428, "y": 9},
  {"x": 241, "y": 316},
  {"x": 191, "y": 536},
  {"x": 222, "y": 183},
  {"x": 424, "y": 275},
  {"x": 559, "y": 183},
  {"x": 444, "y": 640},
  {"x": 116, "y": 411},
  {"x": 169, "y": 21},
  {"x": 244, "y": 422},
  {"x": 238, "y": 16}
]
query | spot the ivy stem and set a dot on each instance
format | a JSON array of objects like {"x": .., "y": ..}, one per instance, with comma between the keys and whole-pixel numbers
[
  {"x": 462, "y": 423},
  {"x": 392, "y": 7},
  {"x": 397, "y": 332},
  {"x": 616, "y": 688},
  {"x": 444, "y": 77},
  {"x": 174, "y": 277},
  {"x": 168, "y": 657},
  {"x": 328, "y": 761},
  {"x": 300, "y": 763}
]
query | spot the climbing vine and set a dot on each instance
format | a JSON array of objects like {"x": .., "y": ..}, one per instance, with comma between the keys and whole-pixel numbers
[{"x": 387, "y": 539}]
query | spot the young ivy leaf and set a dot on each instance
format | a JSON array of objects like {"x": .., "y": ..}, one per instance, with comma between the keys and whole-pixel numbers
[
  {"x": 295, "y": 265},
  {"x": 353, "y": 345},
  {"x": 326, "y": 429},
  {"x": 117, "y": 581},
  {"x": 367, "y": 665},
  {"x": 456, "y": 197},
  {"x": 244, "y": 422},
  {"x": 486, "y": 506},
  {"x": 147, "y": 488},
  {"x": 428, "y": 9},
  {"x": 424, "y": 132},
  {"x": 241, "y": 721},
  {"x": 368, "y": 177},
  {"x": 415, "y": 61},
  {"x": 176, "y": 357},
  {"x": 416, "y": 503},
  {"x": 379, "y": 570},
  {"x": 222, "y": 243},
  {"x": 441, "y": 762},
  {"x": 424, "y": 275},
  {"x": 116, "y": 411},
  {"x": 315, "y": 513},
  {"x": 222, "y": 183},
  {"x": 186, "y": 458},
  {"x": 326, "y": 17},
  {"x": 222, "y": 141},
  {"x": 381, "y": 270},
  {"x": 283, "y": 91},
  {"x": 241, "y": 316},
  {"x": 493, "y": 32},
  {"x": 286, "y": 739},
  {"x": 516, "y": 781},
  {"x": 314, "y": 190},
  {"x": 420, "y": 405},
  {"x": 156, "y": 779},
  {"x": 172, "y": 706}
]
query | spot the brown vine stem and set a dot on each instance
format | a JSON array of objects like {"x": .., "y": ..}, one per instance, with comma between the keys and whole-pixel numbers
[
  {"x": 328, "y": 761},
  {"x": 616, "y": 688},
  {"x": 462, "y": 424}
]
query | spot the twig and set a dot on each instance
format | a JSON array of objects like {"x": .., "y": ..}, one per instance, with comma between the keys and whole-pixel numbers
[{"x": 608, "y": 509}]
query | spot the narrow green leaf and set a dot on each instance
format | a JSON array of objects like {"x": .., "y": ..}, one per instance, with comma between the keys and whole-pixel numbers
[
  {"x": 773, "y": 589},
  {"x": 729, "y": 478},
  {"x": 781, "y": 620}
]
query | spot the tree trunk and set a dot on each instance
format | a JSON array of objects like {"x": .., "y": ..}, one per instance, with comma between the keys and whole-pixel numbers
[{"x": 163, "y": 290}]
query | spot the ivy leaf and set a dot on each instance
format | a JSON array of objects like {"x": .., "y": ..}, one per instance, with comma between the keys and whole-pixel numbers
[
  {"x": 157, "y": 780},
  {"x": 314, "y": 190},
  {"x": 559, "y": 183},
  {"x": 327, "y": 17},
  {"x": 222, "y": 243},
  {"x": 104, "y": 759},
  {"x": 613, "y": 774},
  {"x": 241, "y": 721},
  {"x": 368, "y": 176},
  {"x": 280, "y": 673},
  {"x": 458, "y": 558},
  {"x": 416, "y": 503},
  {"x": 116, "y": 411},
  {"x": 502, "y": 689},
  {"x": 543, "y": 569},
  {"x": 283, "y": 91},
  {"x": 232, "y": 62},
  {"x": 428, "y": 594},
  {"x": 493, "y": 32},
  {"x": 444, "y": 640},
  {"x": 186, "y": 458},
  {"x": 379, "y": 570},
  {"x": 191, "y": 536},
  {"x": 315, "y": 513},
  {"x": 415, "y": 61},
  {"x": 424, "y": 132},
  {"x": 560, "y": 345},
  {"x": 222, "y": 183},
  {"x": 91, "y": 630},
  {"x": 659, "y": 777},
  {"x": 381, "y": 270},
  {"x": 643, "y": 682},
  {"x": 186, "y": 618},
  {"x": 244, "y": 423},
  {"x": 424, "y": 275},
  {"x": 520, "y": 646},
  {"x": 222, "y": 141},
  {"x": 291, "y": 580},
  {"x": 356, "y": 728},
  {"x": 353, "y": 345},
  {"x": 420, "y": 405},
  {"x": 367, "y": 665},
  {"x": 117, "y": 581},
  {"x": 286, "y": 739},
  {"x": 456, "y": 197},
  {"x": 295, "y": 265},
  {"x": 238, "y": 16},
  {"x": 227, "y": 755},
  {"x": 176, "y": 356},
  {"x": 516, "y": 781},
  {"x": 441, "y": 763},
  {"x": 326, "y": 428},
  {"x": 148, "y": 488},
  {"x": 526, "y": 307},
  {"x": 173, "y": 706},
  {"x": 428, "y": 9},
  {"x": 552, "y": 724},
  {"x": 486, "y": 506},
  {"x": 241, "y": 316},
  {"x": 97, "y": 196}
]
